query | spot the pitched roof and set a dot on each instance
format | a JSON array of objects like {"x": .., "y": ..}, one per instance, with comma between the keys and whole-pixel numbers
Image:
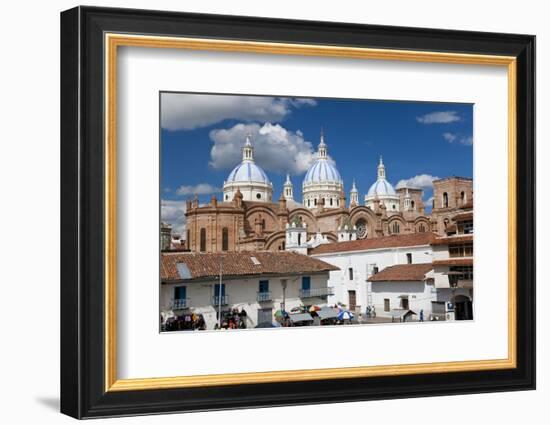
[
  {"x": 402, "y": 272},
  {"x": 456, "y": 239},
  {"x": 177, "y": 266},
  {"x": 393, "y": 241},
  {"x": 468, "y": 261}
]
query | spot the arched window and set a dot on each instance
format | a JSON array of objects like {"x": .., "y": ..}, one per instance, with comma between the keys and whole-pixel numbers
[
  {"x": 308, "y": 203},
  {"x": 188, "y": 239},
  {"x": 225, "y": 239},
  {"x": 315, "y": 201},
  {"x": 203, "y": 240},
  {"x": 395, "y": 227},
  {"x": 338, "y": 202},
  {"x": 421, "y": 228},
  {"x": 462, "y": 197},
  {"x": 445, "y": 200},
  {"x": 331, "y": 202},
  {"x": 412, "y": 205},
  {"x": 299, "y": 239}
]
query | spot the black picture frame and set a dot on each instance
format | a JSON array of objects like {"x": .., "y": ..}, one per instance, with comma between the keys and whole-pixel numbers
[{"x": 83, "y": 392}]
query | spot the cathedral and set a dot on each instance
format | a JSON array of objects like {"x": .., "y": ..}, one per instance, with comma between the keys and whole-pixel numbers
[{"x": 247, "y": 218}]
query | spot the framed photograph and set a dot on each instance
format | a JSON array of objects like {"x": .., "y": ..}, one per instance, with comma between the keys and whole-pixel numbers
[{"x": 261, "y": 212}]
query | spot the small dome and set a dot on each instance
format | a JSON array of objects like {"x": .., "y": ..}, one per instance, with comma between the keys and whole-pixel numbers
[
  {"x": 381, "y": 188},
  {"x": 322, "y": 171},
  {"x": 248, "y": 172}
]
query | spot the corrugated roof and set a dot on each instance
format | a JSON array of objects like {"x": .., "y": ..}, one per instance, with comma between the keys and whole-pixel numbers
[
  {"x": 393, "y": 241},
  {"x": 191, "y": 265},
  {"x": 402, "y": 272}
]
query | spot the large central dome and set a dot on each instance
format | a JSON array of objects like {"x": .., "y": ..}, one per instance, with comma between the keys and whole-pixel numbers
[
  {"x": 322, "y": 183},
  {"x": 248, "y": 178}
]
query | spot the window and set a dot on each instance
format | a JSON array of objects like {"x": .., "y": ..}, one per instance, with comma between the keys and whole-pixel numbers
[
  {"x": 331, "y": 202},
  {"x": 445, "y": 200},
  {"x": 203, "y": 240},
  {"x": 258, "y": 196},
  {"x": 421, "y": 228},
  {"x": 315, "y": 201},
  {"x": 394, "y": 227},
  {"x": 263, "y": 286},
  {"x": 219, "y": 294},
  {"x": 404, "y": 303},
  {"x": 375, "y": 270},
  {"x": 460, "y": 273},
  {"x": 409, "y": 258},
  {"x": 306, "y": 283},
  {"x": 188, "y": 239},
  {"x": 226, "y": 197},
  {"x": 299, "y": 239},
  {"x": 308, "y": 203},
  {"x": 463, "y": 250},
  {"x": 225, "y": 239},
  {"x": 462, "y": 197},
  {"x": 412, "y": 205},
  {"x": 338, "y": 202},
  {"x": 180, "y": 292},
  {"x": 386, "y": 304},
  {"x": 350, "y": 273}
]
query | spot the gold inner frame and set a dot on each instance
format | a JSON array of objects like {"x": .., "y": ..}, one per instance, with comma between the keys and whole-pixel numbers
[{"x": 113, "y": 41}]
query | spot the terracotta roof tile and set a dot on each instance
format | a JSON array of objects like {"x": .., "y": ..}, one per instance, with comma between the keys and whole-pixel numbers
[
  {"x": 402, "y": 272},
  {"x": 207, "y": 265},
  {"x": 392, "y": 241}
]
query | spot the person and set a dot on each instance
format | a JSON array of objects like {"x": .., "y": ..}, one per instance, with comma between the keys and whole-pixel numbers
[{"x": 422, "y": 315}]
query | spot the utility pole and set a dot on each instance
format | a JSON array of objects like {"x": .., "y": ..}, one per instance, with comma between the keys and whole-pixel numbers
[{"x": 220, "y": 295}]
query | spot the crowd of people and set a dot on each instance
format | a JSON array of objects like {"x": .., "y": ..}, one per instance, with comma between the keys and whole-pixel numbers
[
  {"x": 233, "y": 319},
  {"x": 185, "y": 322}
]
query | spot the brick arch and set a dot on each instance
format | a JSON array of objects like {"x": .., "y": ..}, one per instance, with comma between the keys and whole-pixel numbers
[
  {"x": 422, "y": 220},
  {"x": 274, "y": 240},
  {"x": 397, "y": 219},
  {"x": 308, "y": 217},
  {"x": 271, "y": 221},
  {"x": 366, "y": 214}
]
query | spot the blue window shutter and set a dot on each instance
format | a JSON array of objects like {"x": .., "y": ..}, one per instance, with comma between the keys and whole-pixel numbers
[
  {"x": 306, "y": 282},
  {"x": 264, "y": 286},
  {"x": 180, "y": 292}
]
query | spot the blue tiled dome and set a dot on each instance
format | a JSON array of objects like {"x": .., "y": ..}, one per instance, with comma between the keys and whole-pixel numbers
[
  {"x": 381, "y": 187},
  {"x": 248, "y": 172},
  {"x": 322, "y": 171}
]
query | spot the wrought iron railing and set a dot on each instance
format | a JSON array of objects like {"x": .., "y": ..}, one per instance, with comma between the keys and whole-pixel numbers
[
  {"x": 263, "y": 297},
  {"x": 180, "y": 303},
  {"x": 216, "y": 300},
  {"x": 316, "y": 292}
]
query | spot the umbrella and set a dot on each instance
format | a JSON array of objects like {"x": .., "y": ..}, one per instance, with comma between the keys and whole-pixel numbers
[
  {"x": 345, "y": 315},
  {"x": 280, "y": 313},
  {"x": 314, "y": 308}
]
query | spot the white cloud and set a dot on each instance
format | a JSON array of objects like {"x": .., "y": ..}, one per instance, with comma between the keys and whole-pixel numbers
[
  {"x": 173, "y": 212},
  {"x": 199, "y": 189},
  {"x": 275, "y": 148},
  {"x": 457, "y": 138},
  {"x": 441, "y": 117},
  {"x": 420, "y": 181},
  {"x": 181, "y": 111}
]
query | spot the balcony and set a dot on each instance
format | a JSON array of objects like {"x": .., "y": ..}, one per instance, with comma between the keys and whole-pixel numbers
[
  {"x": 316, "y": 292},
  {"x": 180, "y": 303},
  {"x": 263, "y": 297},
  {"x": 217, "y": 300}
]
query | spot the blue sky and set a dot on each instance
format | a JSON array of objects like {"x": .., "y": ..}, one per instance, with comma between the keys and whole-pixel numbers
[{"x": 201, "y": 136}]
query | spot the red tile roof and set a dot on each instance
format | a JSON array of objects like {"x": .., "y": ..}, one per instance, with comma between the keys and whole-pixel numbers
[
  {"x": 393, "y": 241},
  {"x": 207, "y": 265},
  {"x": 451, "y": 240},
  {"x": 402, "y": 273},
  {"x": 454, "y": 262}
]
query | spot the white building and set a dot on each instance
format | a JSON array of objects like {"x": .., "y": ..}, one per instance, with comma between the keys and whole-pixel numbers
[
  {"x": 454, "y": 268},
  {"x": 382, "y": 191},
  {"x": 258, "y": 282},
  {"x": 248, "y": 178},
  {"x": 358, "y": 260},
  {"x": 322, "y": 183},
  {"x": 403, "y": 288}
]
